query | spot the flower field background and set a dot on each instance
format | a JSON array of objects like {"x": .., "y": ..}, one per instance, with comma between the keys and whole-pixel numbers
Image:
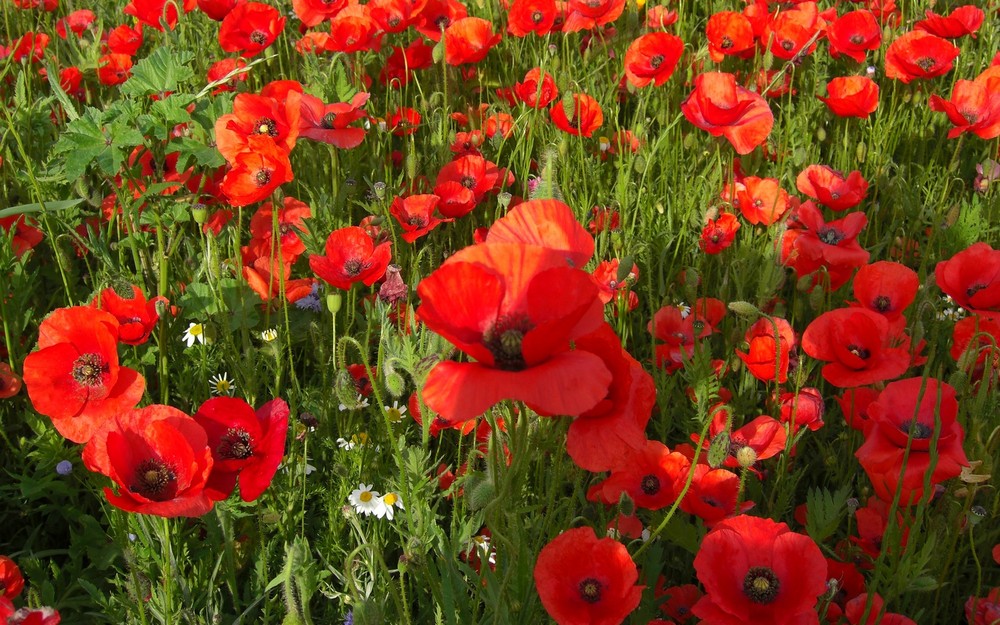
[{"x": 417, "y": 311}]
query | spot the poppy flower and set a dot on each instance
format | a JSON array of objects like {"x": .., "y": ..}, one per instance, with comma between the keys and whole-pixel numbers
[
  {"x": 853, "y": 34},
  {"x": 11, "y": 580},
  {"x": 258, "y": 115},
  {"x": 250, "y": 28},
  {"x": 518, "y": 324},
  {"x": 854, "y": 405},
  {"x": 393, "y": 16},
  {"x": 792, "y": 33},
  {"x": 331, "y": 123},
  {"x": 652, "y": 58},
  {"x": 764, "y": 435},
  {"x": 314, "y": 12},
  {"x": 886, "y": 288},
  {"x": 30, "y": 46},
  {"x": 257, "y": 173},
  {"x": 919, "y": 54},
  {"x": 719, "y": 233},
  {"x": 290, "y": 217},
  {"x": 354, "y": 30},
  {"x": 531, "y": 16},
  {"x": 974, "y": 107},
  {"x": 114, "y": 69},
  {"x": 267, "y": 275},
  {"x": 722, "y": 108},
  {"x": 651, "y": 475},
  {"x": 437, "y": 15},
  {"x": 25, "y": 235},
  {"x": 591, "y": 14},
  {"x": 855, "y": 610},
  {"x": 475, "y": 173},
  {"x": 351, "y": 256},
  {"x": 614, "y": 281},
  {"x": 401, "y": 66},
  {"x": 729, "y": 34},
  {"x": 550, "y": 224},
  {"x": 974, "y": 341},
  {"x": 416, "y": 214},
  {"x": 404, "y": 121},
  {"x": 713, "y": 494},
  {"x": 217, "y": 10},
  {"x": 831, "y": 245},
  {"x": 802, "y": 410},
  {"x": 972, "y": 278},
  {"x": 962, "y": 21},
  {"x": 153, "y": 13},
  {"x": 858, "y": 346},
  {"x": 831, "y": 188},
  {"x": 904, "y": 419},
  {"x": 468, "y": 40},
  {"x": 584, "y": 580},
  {"x": 159, "y": 459},
  {"x": 136, "y": 316},
  {"x": 851, "y": 96},
  {"x": 678, "y": 331},
  {"x": 587, "y": 115},
  {"x": 761, "y": 200},
  {"x": 616, "y": 426},
  {"x": 245, "y": 444},
  {"x": 770, "y": 340},
  {"x": 76, "y": 22},
  {"x": 74, "y": 377},
  {"x": 983, "y": 610},
  {"x": 538, "y": 89},
  {"x": 10, "y": 382},
  {"x": 125, "y": 40},
  {"x": 757, "y": 572}
]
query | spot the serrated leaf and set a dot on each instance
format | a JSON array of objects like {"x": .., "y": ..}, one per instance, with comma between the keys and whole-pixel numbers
[
  {"x": 163, "y": 70},
  {"x": 825, "y": 511},
  {"x": 343, "y": 89}
]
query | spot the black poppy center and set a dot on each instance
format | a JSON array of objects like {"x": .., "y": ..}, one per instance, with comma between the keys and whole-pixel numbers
[
  {"x": 917, "y": 430},
  {"x": 926, "y": 63},
  {"x": 417, "y": 220},
  {"x": 258, "y": 37},
  {"x": 975, "y": 288},
  {"x": 656, "y": 61},
  {"x": 236, "y": 444},
  {"x": 761, "y": 585},
  {"x": 859, "y": 351},
  {"x": 831, "y": 236},
  {"x": 394, "y": 21},
  {"x": 263, "y": 177},
  {"x": 328, "y": 120},
  {"x": 469, "y": 182},
  {"x": 726, "y": 43},
  {"x": 537, "y": 17},
  {"x": 857, "y": 40},
  {"x": 153, "y": 479},
  {"x": 788, "y": 44},
  {"x": 266, "y": 126},
  {"x": 89, "y": 370},
  {"x": 352, "y": 267},
  {"x": 882, "y": 303},
  {"x": 504, "y": 342},
  {"x": 590, "y": 590},
  {"x": 650, "y": 484}
]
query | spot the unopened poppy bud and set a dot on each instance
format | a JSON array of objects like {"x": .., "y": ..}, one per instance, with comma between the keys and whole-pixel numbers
[
  {"x": 861, "y": 152},
  {"x": 379, "y": 189},
  {"x": 976, "y": 514},
  {"x": 745, "y": 309},
  {"x": 503, "y": 199},
  {"x": 852, "y": 504},
  {"x": 626, "y": 505},
  {"x": 820, "y": 134},
  {"x": 746, "y": 456},
  {"x": 199, "y": 213},
  {"x": 333, "y": 302}
]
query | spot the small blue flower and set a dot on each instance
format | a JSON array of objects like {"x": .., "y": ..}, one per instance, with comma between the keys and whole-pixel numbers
[
  {"x": 65, "y": 467},
  {"x": 349, "y": 619},
  {"x": 311, "y": 301}
]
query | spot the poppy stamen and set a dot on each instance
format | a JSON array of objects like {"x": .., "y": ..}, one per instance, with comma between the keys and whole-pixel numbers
[
  {"x": 860, "y": 352},
  {"x": 761, "y": 585},
  {"x": 590, "y": 590},
  {"x": 656, "y": 61},
  {"x": 504, "y": 342},
  {"x": 650, "y": 484},
  {"x": 352, "y": 267},
  {"x": 152, "y": 479},
  {"x": 831, "y": 236},
  {"x": 236, "y": 444},
  {"x": 266, "y": 126},
  {"x": 263, "y": 177},
  {"x": 258, "y": 37},
  {"x": 882, "y": 303},
  {"x": 926, "y": 63},
  {"x": 89, "y": 370}
]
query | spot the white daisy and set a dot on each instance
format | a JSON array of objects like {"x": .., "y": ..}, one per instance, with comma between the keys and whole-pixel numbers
[
  {"x": 685, "y": 309},
  {"x": 365, "y": 500},
  {"x": 362, "y": 402},
  {"x": 220, "y": 384},
  {"x": 269, "y": 335},
  {"x": 395, "y": 412},
  {"x": 194, "y": 332},
  {"x": 389, "y": 500},
  {"x": 357, "y": 440}
]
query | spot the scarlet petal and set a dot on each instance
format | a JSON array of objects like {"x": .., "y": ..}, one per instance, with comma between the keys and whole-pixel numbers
[{"x": 567, "y": 384}]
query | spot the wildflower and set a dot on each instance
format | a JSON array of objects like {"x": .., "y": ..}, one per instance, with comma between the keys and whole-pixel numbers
[
  {"x": 65, "y": 467},
  {"x": 361, "y": 402},
  {"x": 270, "y": 334},
  {"x": 10, "y": 382},
  {"x": 11, "y": 580},
  {"x": 919, "y": 54},
  {"x": 972, "y": 277},
  {"x": 220, "y": 384},
  {"x": 395, "y": 412},
  {"x": 722, "y": 108},
  {"x": 194, "y": 332},
  {"x": 852, "y": 96},
  {"x": 389, "y": 501},
  {"x": 365, "y": 500},
  {"x": 859, "y": 346}
]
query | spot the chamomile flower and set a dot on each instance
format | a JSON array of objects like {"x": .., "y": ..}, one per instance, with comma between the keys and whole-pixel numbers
[
  {"x": 361, "y": 402},
  {"x": 194, "y": 332},
  {"x": 395, "y": 412},
  {"x": 481, "y": 543},
  {"x": 365, "y": 500},
  {"x": 268, "y": 335},
  {"x": 389, "y": 502},
  {"x": 220, "y": 384},
  {"x": 684, "y": 308},
  {"x": 357, "y": 440}
]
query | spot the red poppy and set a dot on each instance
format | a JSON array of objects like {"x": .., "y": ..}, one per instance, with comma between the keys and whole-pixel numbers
[
  {"x": 518, "y": 322},
  {"x": 616, "y": 426},
  {"x": 770, "y": 340},
  {"x": 401, "y": 66},
  {"x": 652, "y": 58},
  {"x": 758, "y": 572},
  {"x": 30, "y": 46},
  {"x": 550, "y": 224},
  {"x": 25, "y": 235},
  {"x": 153, "y": 13},
  {"x": 972, "y": 278},
  {"x": 853, "y": 34},
  {"x": 351, "y": 256},
  {"x": 792, "y": 32},
  {"x": 114, "y": 69},
  {"x": 904, "y": 419},
  {"x": 583, "y": 580},
  {"x": 245, "y": 444},
  {"x": 250, "y": 28},
  {"x": 678, "y": 330},
  {"x": 729, "y": 34},
  {"x": 983, "y": 610},
  {"x": 331, "y": 123},
  {"x": 587, "y": 115},
  {"x": 159, "y": 459},
  {"x": 919, "y": 54},
  {"x": 974, "y": 345},
  {"x": 468, "y": 40},
  {"x": 76, "y": 22},
  {"x": 802, "y": 410},
  {"x": 821, "y": 244},
  {"x": 437, "y": 15},
  {"x": 858, "y": 346},
  {"x": 719, "y": 233},
  {"x": 354, "y": 30},
  {"x": 217, "y": 9},
  {"x": 416, "y": 214},
  {"x": 257, "y": 173},
  {"x": 723, "y": 108},
  {"x": 531, "y": 16},
  {"x": 404, "y": 121},
  {"x": 136, "y": 316},
  {"x": 393, "y": 16},
  {"x": 886, "y": 288},
  {"x": 10, "y": 382},
  {"x": 538, "y": 89},
  {"x": 267, "y": 275},
  {"x": 74, "y": 377},
  {"x": 475, "y": 173},
  {"x": 974, "y": 107},
  {"x": 11, "y": 580},
  {"x": 855, "y": 611},
  {"x": 651, "y": 475},
  {"x": 125, "y": 40},
  {"x": 831, "y": 188},
  {"x": 258, "y": 115},
  {"x": 290, "y": 218},
  {"x": 765, "y": 436},
  {"x": 712, "y": 495},
  {"x": 614, "y": 281},
  {"x": 962, "y": 21},
  {"x": 851, "y": 96},
  {"x": 313, "y": 12},
  {"x": 590, "y": 14},
  {"x": 854, "y": 405}
]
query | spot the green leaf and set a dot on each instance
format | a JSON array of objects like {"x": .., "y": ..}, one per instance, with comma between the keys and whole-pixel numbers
[
  {"x": 825, "y": 511},
  {"x": 161, "y": 71},
  {"x": 342, "y": 85},
  {"x": 38, "y": 207},
  {"x": 52, "y": 76}
]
